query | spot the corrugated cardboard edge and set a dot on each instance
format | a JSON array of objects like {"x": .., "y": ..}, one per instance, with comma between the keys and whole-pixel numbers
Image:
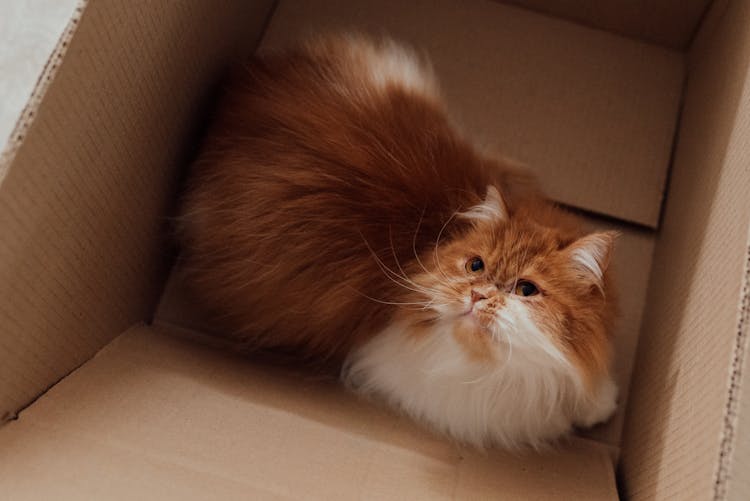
[
  {"x": 107, "y": 422},
  {"x": 46, "y": 77},
  {"x": 82, "y": 260},
  {"x": 731, "y": 434}
]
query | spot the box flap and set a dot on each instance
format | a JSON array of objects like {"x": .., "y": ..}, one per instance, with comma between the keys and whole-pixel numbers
[
  {"x": 153, "y": 416},
  {"x": 81, "y": 207},
  {"x": 666, "y": 22},
  {"x": 681, "y": 432},
  {"x": 593, "y": 113}
]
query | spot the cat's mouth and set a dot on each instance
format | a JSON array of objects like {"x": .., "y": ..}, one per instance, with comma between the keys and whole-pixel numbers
[
  {"x": 480, "y": 314},
  {"x": 473, "y": 308}
]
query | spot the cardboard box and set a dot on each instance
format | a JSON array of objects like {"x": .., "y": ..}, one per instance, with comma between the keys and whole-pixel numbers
[{"x": 109, "y": 387}]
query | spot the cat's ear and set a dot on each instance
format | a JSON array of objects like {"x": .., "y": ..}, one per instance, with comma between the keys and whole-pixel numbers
[
  {"x": 492, "y": 209},
  {"x": 590, "y": 255}
]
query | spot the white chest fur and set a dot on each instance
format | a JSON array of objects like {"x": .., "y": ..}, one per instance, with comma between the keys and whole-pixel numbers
[{"x": 513, "y": 401}]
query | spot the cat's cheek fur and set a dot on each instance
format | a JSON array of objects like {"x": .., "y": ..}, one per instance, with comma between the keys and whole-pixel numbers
[{"x": 524, "y": 397}]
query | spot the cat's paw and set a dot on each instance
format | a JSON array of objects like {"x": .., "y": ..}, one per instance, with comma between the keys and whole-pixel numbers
[{"x": 600, "y": 408}]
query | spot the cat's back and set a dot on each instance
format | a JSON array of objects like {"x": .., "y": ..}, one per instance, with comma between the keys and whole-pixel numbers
[
  {"x": 322, "y": 164},
  {"x": 341, "y": 116}
]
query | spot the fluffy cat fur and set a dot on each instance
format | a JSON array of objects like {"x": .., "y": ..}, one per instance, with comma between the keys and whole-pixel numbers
[{"x": 336, "y": 212}]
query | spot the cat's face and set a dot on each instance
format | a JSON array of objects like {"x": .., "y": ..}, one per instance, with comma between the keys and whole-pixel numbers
[
  {"x": 517, "y": 286},
  {"x": 504, "y": 335}
]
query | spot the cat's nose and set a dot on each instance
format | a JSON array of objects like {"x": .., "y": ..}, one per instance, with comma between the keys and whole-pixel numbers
[{"x": 477, "y": 296}]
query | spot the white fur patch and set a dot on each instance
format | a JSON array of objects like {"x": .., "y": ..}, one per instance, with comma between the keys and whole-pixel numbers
[
  {"x": 600, "y": 407},
  {"x": 390, "y": 64},
  {"x": 528, "y": 395},
  {"x": 492, "y": 209},
  {"x": 589, "y": 261},
  {"x": 591, "y": 254}
]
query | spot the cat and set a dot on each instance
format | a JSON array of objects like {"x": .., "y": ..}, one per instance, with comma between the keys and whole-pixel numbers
[{"x": 335, "y": 211}]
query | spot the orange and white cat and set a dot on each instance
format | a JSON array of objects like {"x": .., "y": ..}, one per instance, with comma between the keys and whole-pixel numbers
[{"x": 336, "y": 212}]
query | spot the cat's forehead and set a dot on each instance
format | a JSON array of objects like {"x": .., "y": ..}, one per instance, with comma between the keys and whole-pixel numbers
[
  {"x": 527, "y": 237},
  {"x": 513, "y": 241},
  {"x": 512, "y": 245}
]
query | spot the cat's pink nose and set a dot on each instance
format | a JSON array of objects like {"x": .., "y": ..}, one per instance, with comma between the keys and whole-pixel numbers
[{"x": 477, "y": 296}]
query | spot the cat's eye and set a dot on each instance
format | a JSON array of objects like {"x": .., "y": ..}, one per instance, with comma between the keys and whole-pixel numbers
[
  {"x": 526, "y": 288},
  {"x": 474, "y": 265}
]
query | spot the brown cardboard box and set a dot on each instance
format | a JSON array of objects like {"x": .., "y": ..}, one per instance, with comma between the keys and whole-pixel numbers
[{"x": 108, "y": 392}]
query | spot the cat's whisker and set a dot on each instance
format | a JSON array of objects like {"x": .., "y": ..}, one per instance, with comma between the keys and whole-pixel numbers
[
  {"x": 477, "y": 380},
  {"x": 437, "y": 244},
  {"x": 432, "y": 304},
  {"x": 419, "y": 261},
  {"x": 385, "y": 272},
  {"x": 415, "y": 287},
  {"x": 389, "y": 273},
  {"x": 414, "y": 244},
  {"x": 393, "y": 303},
  {"x": 405, "y": 277}
]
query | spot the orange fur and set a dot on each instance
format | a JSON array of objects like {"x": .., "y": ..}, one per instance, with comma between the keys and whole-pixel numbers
[{"x": 311, "y": 218}]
